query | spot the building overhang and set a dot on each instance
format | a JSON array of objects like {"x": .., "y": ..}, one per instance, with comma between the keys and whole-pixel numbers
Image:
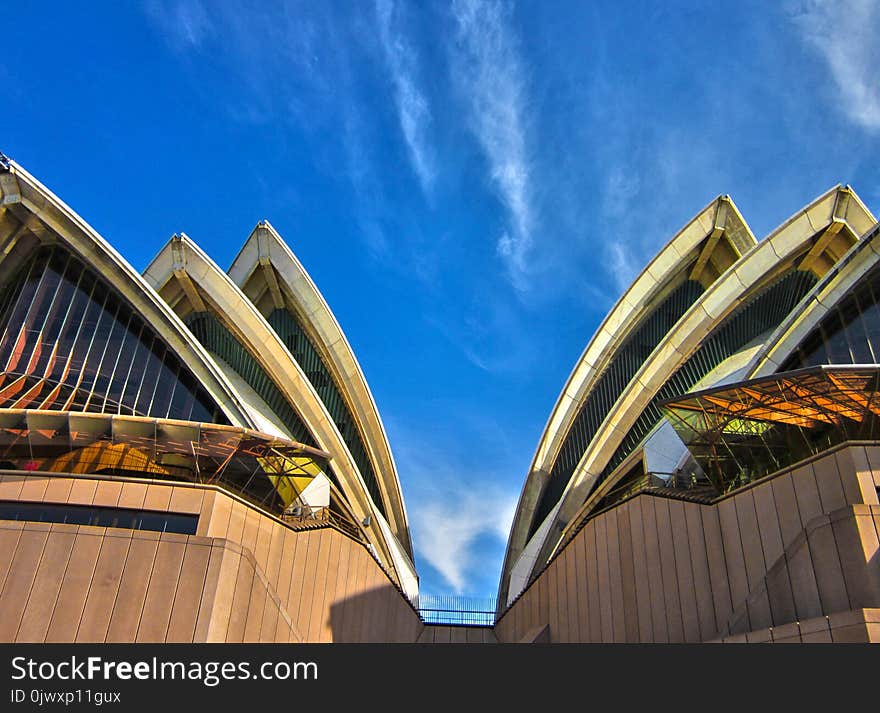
[
  {"x": 741, "y": 432},
  {"x": 267, "y": 471}
]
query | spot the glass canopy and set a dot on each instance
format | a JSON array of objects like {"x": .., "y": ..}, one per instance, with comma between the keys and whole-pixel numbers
[
  {"x": 265, "y": 470},
  {"x": 741, "y": 432}
]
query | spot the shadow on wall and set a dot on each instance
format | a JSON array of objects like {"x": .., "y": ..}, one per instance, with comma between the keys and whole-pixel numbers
[{"x": 379, "y": 615}]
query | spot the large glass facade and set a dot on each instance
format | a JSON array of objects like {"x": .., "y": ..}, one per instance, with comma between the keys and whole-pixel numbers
[
  {"x": 742, "y": 432},
  {"x": 69, "y": 342},
  {"x": 848, "y": 334}
]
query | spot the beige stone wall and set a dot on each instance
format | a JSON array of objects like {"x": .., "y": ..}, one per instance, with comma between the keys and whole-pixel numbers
[
  {"x": 794, "y": 547},
  {"x": 69, "y": 583},
  {"x": 859, "y": 626},
  {"x": 244, "y": 576},
  {"x": 441, "y": 634}
]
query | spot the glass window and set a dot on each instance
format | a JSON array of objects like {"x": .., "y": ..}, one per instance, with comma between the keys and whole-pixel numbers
[
  {"x": 78, "y": 300},
  {"x": 100, "y": 517},
  {"x": 64, "y": 325},
  {"x": 121, "y": 369},
  {"x": 871, "y": 320},
  {"x": 135, "y": 371},
  {"x": 835, "y": 339}
]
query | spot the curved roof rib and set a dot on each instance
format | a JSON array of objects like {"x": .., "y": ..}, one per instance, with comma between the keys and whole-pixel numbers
[
  {"x": 31, "y": 215},
  {"x": 195, "y": 287},
  {"x": 689, "y": 263},
  {"x": 270, "y": 275}
]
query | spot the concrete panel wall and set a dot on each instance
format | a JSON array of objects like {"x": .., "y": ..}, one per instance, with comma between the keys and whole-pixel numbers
[
  {"x": 92, "y": 584},
  {"x": 244, "y": 576},
  {"x": 856, "y": 626},
  {"x": 440, "y": 634},
  {"x": 795, "y": 547}
]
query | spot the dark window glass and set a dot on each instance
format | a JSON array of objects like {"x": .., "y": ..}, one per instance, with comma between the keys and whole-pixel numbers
[
  {"x": 223, "y": 344},
  {"x": 12, "y": 328},
  {"x": 301, "y": 348},
  {"x": 135, "y": 375},
  {"x": 848, "y": 334},
  {"x": 53, "y": 319},
  {"x": 97, "y": 348},
  {"x": 65, "y": 325},
  {"x": 100, "y": 517},
  {"x": 182, "y": 400},
  {"x": 855, "y": 333},
  {"x": 67, "y": 336},
  {"x": 835, "y": 340},
  {"x": 165, "y": 388},
  {"x": 85, "y": 333},
  {"x": 122, "y": 370},
  {"x": 871, "y": 321}
]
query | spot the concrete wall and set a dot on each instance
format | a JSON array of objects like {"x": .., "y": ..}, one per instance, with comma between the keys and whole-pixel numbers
[
  {"x": 66, "y": 583},
  {"x": 797, "y": 546},
  {"x": 244, "y": 576},
  {"x": 859, "y": 626},
  {"x": 442, "y": 634}
]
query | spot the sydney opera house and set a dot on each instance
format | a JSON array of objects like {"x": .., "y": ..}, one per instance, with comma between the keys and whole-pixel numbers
[{"x": 194, "y": 455}]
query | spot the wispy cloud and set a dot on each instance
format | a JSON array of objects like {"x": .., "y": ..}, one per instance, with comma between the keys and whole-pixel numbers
[
  {"x": 365, "y": 184},
  {"x": 296, "y": 71},
  {"x": 451, "y": 525},
  {"x": 460, "y": 516},
  {"x": 623, "y": 264},
  {"x": 489, "y": 333},
  {"x": 844, "y": 33},
  {"x": 490, "y": 74},
  {"x": 413, "y": 111},
  {"x": 651, "y": 177},
  {"x": 620, "y": 189},
  {"x": 185, "y": 22}
]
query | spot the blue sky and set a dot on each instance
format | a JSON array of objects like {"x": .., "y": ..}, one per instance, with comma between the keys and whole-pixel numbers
[{"x": 471, "y": 184}]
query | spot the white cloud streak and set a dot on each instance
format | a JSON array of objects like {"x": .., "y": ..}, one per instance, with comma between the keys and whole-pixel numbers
[
  {"x": 460, "y": 516},
  {"x": 299, "y": 67},
  {"x": 450, "y": 525},
  {"x": 619, "y": 192},
  {"x": 844, "y": 34},
  {"x": 489, "y": 72},
  {"x": 186, "y": 23},
  {"x": 413, "y": 111}
]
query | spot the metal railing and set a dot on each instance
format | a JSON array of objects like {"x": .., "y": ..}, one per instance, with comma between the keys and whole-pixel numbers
[
  {"x": 306, "y": 515},
  {"x": 457, "y": 610},
  {"x": 682, "y": 480}
]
